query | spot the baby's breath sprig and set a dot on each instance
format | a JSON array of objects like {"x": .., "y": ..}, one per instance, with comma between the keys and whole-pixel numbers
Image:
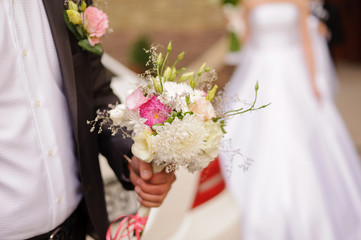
[
  {"x": 103, "y": 120},
  {"x": 100, "y": 120}
]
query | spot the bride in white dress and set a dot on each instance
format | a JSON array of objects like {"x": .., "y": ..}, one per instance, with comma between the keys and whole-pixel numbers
[{"x": 305, "y": 181}]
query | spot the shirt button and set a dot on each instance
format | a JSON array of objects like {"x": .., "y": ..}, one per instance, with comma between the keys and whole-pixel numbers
[
  {"x": 37, "y": 103},
  {"x": 25, "y": 52},
  {"x": 58, "y": 200},
  {"x": 51, "y": 153}
]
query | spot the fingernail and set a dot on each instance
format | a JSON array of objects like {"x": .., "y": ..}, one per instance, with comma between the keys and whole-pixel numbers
[
  {"x": 140, "y": 199},
  {"x": 145, "y": 173},
  {"x": 136, "y": 189},
  {"x": 139, "y": 182}
]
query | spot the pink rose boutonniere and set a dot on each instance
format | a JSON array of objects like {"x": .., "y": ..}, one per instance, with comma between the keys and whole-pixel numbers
[{"x": 87, "y": 24}]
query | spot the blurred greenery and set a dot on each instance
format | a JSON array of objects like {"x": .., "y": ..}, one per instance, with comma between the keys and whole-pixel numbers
[
  {"x": 233, "y": 2},
  {"x": 137, "y": 55},
  {"x": 234, "y": 42}
]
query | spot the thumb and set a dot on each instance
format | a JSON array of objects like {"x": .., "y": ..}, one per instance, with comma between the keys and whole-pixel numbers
[{"x": 146, "y": 170}]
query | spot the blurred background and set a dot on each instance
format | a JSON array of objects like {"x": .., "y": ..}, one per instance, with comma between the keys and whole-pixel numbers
[{"x": 199, "y": 27}]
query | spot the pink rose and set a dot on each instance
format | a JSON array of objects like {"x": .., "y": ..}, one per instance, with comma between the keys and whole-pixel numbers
[
  {"x": 95, "y": 23},
  {"x": 154, "y": 111},
  {"x": 204, "y": 108},
  {"x": 136, "y": 99}
]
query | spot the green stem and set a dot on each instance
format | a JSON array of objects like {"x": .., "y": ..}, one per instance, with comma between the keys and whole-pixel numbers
[
  {"x": 165, "y": 60},
  {"x": 175, "y": 63},
  {"x": 239, "y": 111},
  {"x": 232, "y": 111}
]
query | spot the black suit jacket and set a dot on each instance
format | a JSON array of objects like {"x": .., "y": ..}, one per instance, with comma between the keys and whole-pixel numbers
[
  {"x": 334, "y": 23},
  {"x": 87, "y": 89}
]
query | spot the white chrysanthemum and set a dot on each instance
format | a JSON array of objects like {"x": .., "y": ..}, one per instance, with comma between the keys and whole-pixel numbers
[
  {"x": 180, "y": 142},
  {"x": 213, "y": 140},
  {"x": 174, "y": 95}
]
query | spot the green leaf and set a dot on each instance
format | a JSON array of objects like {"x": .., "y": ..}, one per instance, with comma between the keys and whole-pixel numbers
[
  {"x": 97, "y": 49},
  {"x": 155, "y": 125},
  {"x": 188, "y": 97},
  {"x": 71, "y": 26},
  {"x": 180, "y": 115},
  {"x": 169, "y": 120},
  {"x": 81, "y": 31},
  {"x": 216, "y": 119}
]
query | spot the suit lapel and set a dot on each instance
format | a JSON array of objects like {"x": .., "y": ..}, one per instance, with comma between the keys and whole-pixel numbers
[{"x": 54, "y": 10}]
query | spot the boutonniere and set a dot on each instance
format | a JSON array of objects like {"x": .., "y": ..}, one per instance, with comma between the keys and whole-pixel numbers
[{"x": 87, "y": 24}]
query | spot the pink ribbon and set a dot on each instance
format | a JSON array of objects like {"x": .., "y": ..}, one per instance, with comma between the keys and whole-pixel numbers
[{"x": 135, "y": 225}]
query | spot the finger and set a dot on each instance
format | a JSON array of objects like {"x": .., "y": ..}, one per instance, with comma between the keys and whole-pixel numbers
[
  {"x": 149, "y": 200},
  {"x": 162, "y": 177},
  {"x": 156, "y": 181},
  {"x": 153, "y": 189},
  {"x": 134, "y": 177},
  {"x": 146, "y": 170},
  {"x": 159, "y": 184},
  {"x": 149, "y": 204},
  {"x": 134, "y": 164}
]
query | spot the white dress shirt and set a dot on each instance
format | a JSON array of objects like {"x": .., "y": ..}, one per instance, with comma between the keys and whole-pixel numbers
[{"x": 39, "y": 187}]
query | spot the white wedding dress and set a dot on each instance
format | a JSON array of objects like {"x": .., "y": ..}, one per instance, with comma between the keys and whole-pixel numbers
[
  {"x": 325, "y": 71},
  {"x": 305, "y": 180}
]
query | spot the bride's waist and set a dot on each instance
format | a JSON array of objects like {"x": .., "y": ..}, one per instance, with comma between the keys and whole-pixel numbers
[{"x": 272, "y": 43}]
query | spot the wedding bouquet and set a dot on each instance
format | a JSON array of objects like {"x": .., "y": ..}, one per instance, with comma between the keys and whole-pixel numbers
[{"x": 173, "y": 120}]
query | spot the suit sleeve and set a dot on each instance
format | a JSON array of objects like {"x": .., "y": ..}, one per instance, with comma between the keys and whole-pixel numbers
[{"x": 112, "y": 147}]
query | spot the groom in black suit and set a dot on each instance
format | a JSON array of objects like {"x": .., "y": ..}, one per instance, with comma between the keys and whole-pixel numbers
[{"x": 86, "y": 88}]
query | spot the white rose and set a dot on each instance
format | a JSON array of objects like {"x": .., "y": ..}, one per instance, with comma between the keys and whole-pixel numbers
[
  {"x": 117, "y": 114},
  {"x": 142, "y": 147},
  {"x": 215, "y": 135}
]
